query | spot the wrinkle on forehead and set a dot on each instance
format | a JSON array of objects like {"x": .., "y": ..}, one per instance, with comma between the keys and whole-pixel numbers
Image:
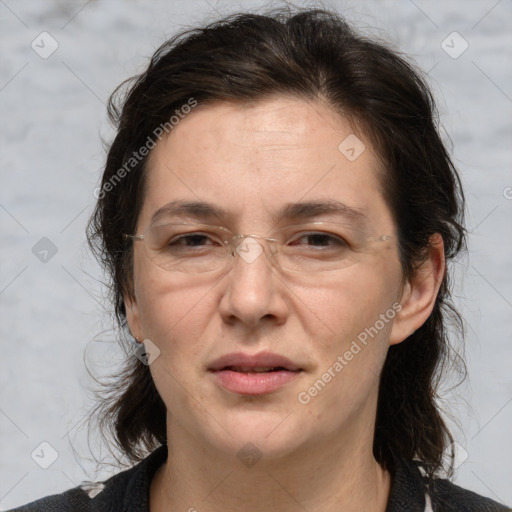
[
  {"x": 281, "y": 124},
  {"x": 267, "y": 124}
]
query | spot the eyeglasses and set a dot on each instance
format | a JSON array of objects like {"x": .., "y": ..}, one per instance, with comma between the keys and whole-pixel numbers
[{"x": 308, "y": 248}]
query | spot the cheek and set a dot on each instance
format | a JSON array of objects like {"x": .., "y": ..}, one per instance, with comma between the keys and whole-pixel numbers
[
  {"x": 172, "y": 311},
  {"x": 352, "y": 349},
  {"x": 338, "y": 308}
]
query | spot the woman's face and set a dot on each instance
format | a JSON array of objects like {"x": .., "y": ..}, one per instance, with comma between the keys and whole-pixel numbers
[{"x": 334, "y": 327}]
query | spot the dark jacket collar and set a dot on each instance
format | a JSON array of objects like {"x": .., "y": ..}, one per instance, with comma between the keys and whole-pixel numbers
[
  {"x": 407, "y": 488},
  {"x": 137, "y": 495}
]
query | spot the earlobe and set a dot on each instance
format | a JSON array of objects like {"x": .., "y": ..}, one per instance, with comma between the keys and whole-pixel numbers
[
  {"x": 420, "y": 293},
  {"x": 132, "y": 317}
]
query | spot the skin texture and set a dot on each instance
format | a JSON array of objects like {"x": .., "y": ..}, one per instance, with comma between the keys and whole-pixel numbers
[{"x": 251, "y": 160}]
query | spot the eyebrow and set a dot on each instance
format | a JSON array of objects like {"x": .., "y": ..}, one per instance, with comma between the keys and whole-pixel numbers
[{"x": 202, "y": 211}]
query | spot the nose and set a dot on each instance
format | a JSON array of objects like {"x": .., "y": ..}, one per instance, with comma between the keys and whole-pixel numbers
[{"x": 254, "y": 292}]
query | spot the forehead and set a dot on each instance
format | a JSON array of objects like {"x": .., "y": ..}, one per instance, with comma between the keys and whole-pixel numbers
[{"x": 253, "y": 161}]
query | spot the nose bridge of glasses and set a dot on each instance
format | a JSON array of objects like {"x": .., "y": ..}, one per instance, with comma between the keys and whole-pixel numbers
[{"x": 249, "y": 246}]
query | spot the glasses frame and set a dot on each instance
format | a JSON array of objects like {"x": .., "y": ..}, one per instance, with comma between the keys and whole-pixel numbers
[{"x": 237, "y": 239}]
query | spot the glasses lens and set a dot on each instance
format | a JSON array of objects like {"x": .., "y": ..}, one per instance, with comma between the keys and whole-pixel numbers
[
  {"x": 187, "y": 247},
  {"x": 323, "y": 246}
]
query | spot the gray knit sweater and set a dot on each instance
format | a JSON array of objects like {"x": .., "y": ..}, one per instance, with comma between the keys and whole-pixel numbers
[{"x": 128, "y": 491}]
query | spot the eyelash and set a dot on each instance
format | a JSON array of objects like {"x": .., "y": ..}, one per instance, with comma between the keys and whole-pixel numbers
[{"x": 335, "y": 238}]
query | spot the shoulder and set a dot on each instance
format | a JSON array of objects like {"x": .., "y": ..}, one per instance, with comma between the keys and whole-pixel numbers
[
  {"x": 446, "y": 496},
  {"x": 127, "y": 490},
  {"x": 413, "y": 491},
  {"x": 76, "y": 499}
]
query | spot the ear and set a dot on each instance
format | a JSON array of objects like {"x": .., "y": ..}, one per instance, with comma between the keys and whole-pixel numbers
[
  {"x": 132, "y": 316},
  {"x": 420, "y": 292}
]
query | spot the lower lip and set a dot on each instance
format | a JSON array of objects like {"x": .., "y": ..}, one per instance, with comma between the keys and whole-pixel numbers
[{"x": 254, "y": 383}]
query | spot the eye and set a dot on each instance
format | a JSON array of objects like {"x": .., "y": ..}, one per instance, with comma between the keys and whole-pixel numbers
[
  {"x": 318, "y": 239},
  {"x": 191, "y": 240}
]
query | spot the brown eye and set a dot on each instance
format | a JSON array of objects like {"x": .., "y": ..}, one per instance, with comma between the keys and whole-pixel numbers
[
  {"x": 192, "y": 240},
  {"x": 320, "y": 240}
]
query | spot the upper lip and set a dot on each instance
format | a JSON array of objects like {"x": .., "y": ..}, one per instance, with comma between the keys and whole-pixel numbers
[{"x": 263, "y": 359}]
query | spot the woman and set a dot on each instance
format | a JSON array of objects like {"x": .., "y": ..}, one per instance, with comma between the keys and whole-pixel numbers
[{"x": 277, "y": 213}]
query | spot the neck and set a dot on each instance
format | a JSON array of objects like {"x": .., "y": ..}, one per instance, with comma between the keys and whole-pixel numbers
[{"x": 330, "y": 475}]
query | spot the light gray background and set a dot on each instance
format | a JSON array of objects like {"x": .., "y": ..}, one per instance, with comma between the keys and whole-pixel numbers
[{"x": 52, "y": 116}]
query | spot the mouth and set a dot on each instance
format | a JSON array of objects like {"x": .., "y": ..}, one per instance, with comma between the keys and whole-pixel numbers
[
  {"x": 260, "y": 369},
  {"x": 253, "y": 375},
  {"x": 262, "y": 362}
]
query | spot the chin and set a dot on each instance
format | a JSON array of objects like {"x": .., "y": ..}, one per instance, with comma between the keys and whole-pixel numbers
[{"x": 264, "y": 433}]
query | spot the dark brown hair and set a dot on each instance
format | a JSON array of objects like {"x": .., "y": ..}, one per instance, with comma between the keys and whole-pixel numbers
[{"x": 314, "y": 55}]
